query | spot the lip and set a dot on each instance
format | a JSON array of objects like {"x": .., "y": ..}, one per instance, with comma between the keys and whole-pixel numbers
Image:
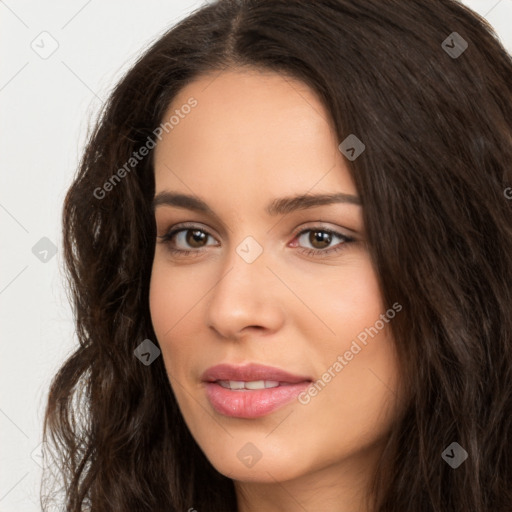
[
  {"x": 251, "y": 403},
  {"x": 250, "y": 372}
]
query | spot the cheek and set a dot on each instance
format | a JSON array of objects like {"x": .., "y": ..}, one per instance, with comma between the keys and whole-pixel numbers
[
  {"x": 172, "y": 295},
  {"x": 355, "y": 359},
  {"x": 160, "y": 304},
  {"x": 174, "y": 301},
  {"x": 345, "y": 302},
  {"x": 166, "y": 310}
]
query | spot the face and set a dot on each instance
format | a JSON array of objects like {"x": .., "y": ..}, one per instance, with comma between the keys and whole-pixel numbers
[{"x": 282, "y": 291}]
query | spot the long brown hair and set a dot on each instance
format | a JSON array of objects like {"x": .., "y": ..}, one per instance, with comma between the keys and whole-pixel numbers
[{"x": 434, "y": 110}]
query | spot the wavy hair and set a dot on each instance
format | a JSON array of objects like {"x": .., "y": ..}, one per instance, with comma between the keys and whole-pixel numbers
[{"x": 434, "y": 182}]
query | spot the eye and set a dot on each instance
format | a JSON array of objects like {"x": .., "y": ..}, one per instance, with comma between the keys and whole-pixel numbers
[
  {"x": 185, "y": 235},
  {"x": 193, "y": 241},
  {"x": 320, "y": 239}
]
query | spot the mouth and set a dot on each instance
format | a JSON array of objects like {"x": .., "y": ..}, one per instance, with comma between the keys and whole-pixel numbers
[
  {"x": 240, "y": 385},
  {"x": 251, "y": 391},
  {"x": 251, "y": 373}
]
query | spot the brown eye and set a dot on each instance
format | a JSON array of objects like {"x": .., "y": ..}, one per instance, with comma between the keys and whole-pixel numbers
[
  {"x": 319, "y": 239},
  {"x": 195, "y": 237},
  {"x": 186, "y": 240}
]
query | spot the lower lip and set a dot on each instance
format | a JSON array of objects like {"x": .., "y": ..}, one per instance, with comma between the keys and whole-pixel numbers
[{"x": 251, "y": 403}]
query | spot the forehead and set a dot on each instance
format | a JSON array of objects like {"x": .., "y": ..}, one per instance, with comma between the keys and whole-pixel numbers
[{"x": 249, "y": 128}]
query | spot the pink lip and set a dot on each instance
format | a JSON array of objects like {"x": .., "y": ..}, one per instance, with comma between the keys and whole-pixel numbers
[
  {"x": 250, "y": 372},
  {"x": 251, "y": 403}
]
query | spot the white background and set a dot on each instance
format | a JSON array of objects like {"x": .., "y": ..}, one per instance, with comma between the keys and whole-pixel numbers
[{"x": 46, "y": 108}]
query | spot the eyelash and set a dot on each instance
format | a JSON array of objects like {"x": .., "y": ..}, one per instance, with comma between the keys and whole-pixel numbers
[{"x": 167, "y": 237}]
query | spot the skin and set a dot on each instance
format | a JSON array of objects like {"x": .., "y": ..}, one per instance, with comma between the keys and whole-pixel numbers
[{"x": 252, "y": 137}]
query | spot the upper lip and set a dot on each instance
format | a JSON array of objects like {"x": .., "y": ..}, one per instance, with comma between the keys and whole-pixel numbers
[{"x": 250, "y": 372}]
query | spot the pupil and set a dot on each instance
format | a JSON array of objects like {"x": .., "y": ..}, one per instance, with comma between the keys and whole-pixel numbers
[
  {"x": 194, "y": 237},
  {"x": 320, "y": 236}
]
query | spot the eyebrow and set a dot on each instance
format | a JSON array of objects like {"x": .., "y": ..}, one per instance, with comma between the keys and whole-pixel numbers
[{"x": 280, "y": 206}]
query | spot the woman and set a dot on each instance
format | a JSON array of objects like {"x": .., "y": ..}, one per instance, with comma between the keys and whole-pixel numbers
[{"x": 289, "y": 245}]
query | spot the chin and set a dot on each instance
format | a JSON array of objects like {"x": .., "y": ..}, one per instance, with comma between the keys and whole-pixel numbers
[{"x": 262, "y": 461}]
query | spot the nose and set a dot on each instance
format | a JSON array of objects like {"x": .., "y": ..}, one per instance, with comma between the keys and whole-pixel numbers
[{"x": 248, "y": 297}]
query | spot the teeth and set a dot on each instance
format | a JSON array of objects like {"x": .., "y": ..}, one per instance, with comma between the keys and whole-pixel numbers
[
  {"x": 234, "y": 384},
  {"x": 254, "y": 384},
  {"x": 261, "y": 384}
]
